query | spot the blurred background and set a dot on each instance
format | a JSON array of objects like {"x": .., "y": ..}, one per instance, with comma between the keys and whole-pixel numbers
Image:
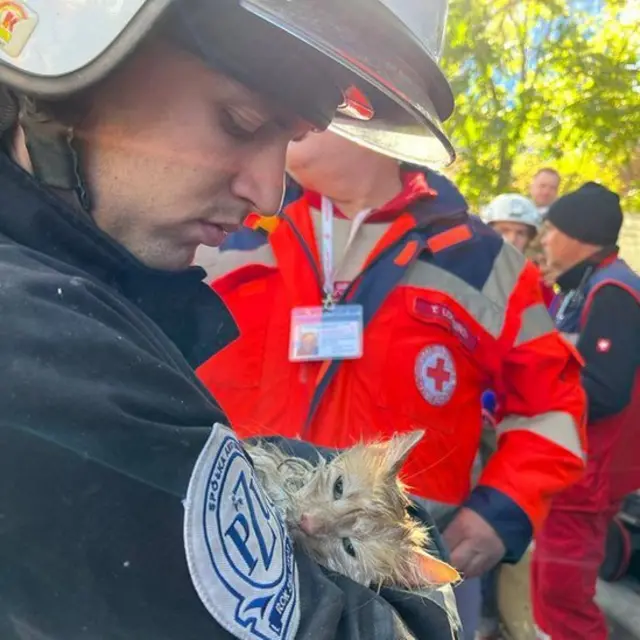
[{"x": 547, "y": 83}]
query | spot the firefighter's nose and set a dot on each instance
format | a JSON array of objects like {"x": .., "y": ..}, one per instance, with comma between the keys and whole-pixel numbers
[{"x": 261, "y": 179}]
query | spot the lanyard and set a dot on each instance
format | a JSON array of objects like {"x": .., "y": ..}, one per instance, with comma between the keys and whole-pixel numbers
[
  {"x": 566, "y": 302},
  {"x": 575, "y": 297},
  {"x": 329, "y": 269}
]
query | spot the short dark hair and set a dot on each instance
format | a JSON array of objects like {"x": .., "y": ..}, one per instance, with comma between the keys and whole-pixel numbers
[{"x": 550, "y": 170}]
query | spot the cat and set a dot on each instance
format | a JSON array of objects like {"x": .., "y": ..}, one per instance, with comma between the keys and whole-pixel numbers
[{"x": 350, "y": 513}]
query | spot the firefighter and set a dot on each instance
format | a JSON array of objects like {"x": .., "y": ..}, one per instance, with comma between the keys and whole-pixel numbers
[
  {"x": 598, "y": 309},
  {"x": 130, "y": 133}
]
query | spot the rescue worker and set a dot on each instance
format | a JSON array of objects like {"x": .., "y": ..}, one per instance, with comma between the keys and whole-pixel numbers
[
  {"x": 422, "y": 307},
  {"x": 514, "y": 217},
  {"x": 130, "y": 134},
  {"x": 599, "y": 310}
]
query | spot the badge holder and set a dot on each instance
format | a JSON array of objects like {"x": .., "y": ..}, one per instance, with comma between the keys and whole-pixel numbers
[{"x": 330, "y": 332}]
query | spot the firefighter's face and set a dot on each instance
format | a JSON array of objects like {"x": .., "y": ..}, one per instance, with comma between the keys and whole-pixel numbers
[{"x": 178, "y": 154}]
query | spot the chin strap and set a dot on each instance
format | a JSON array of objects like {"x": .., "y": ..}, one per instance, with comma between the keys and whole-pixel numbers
[
  {"x": 53, "y": 151},
  {"x": 8, "y": 113}
]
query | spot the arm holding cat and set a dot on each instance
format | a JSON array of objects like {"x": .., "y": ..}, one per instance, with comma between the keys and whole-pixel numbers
[
  {"x": 95, "y": 457},
  {"x": 390, "y": 547}
]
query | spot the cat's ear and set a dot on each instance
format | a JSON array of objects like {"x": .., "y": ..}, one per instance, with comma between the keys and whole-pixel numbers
[
  {"x": 399, "y": 447},
  {"x": 430, "y": 571}
]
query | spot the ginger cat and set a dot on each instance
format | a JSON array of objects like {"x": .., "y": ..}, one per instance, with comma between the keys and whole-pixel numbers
[{"x": 350, "y": 513}]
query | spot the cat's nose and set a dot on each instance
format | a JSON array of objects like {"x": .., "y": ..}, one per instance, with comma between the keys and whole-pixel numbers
[{"x": 309, "y": 524}]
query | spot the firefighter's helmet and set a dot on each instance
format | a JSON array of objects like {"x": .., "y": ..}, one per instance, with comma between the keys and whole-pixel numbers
[{"x": 376, "y": 61}]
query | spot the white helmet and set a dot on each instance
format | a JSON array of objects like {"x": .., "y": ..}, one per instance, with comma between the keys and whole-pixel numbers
[
  {"x": 374, "y": 60},
  {"x": 512, "y": 207}
]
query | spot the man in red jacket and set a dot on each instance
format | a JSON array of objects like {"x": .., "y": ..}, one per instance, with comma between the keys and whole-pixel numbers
[{"x": 420, "y": 307}]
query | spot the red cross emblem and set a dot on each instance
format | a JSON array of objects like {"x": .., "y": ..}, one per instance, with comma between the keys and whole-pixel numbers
[
  {"x": 435, "y": 374},
  {"x": 439, "y": 374}
]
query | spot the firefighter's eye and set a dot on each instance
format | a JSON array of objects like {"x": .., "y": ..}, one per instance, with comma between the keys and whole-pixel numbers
[
  {"x": 338, "y": 488},
  {"x": 236, "y": 127}
]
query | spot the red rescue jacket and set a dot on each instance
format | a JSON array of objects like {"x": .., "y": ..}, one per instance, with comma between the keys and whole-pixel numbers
[{"x": 454, "y": 311}]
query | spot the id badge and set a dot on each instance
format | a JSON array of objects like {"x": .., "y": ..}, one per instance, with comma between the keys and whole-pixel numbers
[{"x": 326, "y": 334}]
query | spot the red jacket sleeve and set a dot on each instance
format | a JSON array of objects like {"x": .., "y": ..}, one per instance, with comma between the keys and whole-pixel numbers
[{"x": 541, "y": 433}]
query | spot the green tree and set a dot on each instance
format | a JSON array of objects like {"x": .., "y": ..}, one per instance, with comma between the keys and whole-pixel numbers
[{"x": 541, "y": 82}]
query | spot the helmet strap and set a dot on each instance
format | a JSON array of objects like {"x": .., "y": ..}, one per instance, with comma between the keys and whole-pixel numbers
[
  {"x": 8, "y": 113},
  {"x": 53, "y": 151}
]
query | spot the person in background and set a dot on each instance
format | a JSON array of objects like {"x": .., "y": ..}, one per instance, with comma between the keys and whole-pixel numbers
[
  {"x": 514, "y": 217},
  {"x": 544, "y": 191},
  {"x": 598, "y": 309},
  {"x": 518, "y": 221},
  {"x": 544, "y": 188},
  {"x": 446, "y": 307}
]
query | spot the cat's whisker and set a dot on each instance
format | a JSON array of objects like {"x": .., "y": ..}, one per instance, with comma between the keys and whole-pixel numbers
[{"x": 434, "y": 464}]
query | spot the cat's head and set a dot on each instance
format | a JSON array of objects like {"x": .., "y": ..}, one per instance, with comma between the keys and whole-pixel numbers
[{"x": 352, "y": 517}]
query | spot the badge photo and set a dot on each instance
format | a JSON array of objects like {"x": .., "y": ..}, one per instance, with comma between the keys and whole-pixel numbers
[{"x": 239, "y": 553}]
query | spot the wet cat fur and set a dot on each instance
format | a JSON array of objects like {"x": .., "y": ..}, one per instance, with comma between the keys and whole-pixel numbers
[{"x": 350, "y": 513}]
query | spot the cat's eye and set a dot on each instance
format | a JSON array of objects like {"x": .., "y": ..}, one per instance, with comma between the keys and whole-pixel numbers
[
  {"x": 338, "y": 488},
  {"x": 348, "y": 547}
]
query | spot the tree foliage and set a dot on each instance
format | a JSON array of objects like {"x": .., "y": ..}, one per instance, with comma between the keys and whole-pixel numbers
[{"x": 544, "y": 83}]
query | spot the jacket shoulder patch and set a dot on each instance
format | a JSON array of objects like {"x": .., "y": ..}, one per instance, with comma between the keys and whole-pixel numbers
[{"x": 239, "y": 554}]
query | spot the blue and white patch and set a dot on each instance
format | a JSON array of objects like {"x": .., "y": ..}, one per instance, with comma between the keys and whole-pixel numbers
[
  {"x": 435, "y": 373},
  {"x": 239, "y": 554}
]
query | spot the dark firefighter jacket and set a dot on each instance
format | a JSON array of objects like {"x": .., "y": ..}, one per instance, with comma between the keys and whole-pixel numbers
[{"x": 101, "y": 422}]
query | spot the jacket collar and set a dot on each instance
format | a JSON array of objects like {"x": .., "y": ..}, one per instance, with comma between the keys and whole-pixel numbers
[
  {"x": 576, "y": 276},
  {"x": 414, "y": 188},
  {"x": 33, "y": 217},
  {"x": 425, "y": 194}
]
